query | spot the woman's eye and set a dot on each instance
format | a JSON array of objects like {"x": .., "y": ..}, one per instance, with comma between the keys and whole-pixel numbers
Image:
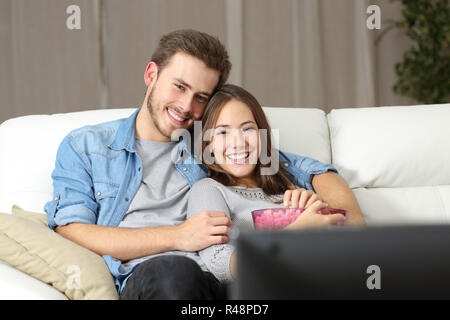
[
  {"x": 218, "y": 133},
  {"x": 248, "y": 129},
  {"x": 202, "y": 99}
]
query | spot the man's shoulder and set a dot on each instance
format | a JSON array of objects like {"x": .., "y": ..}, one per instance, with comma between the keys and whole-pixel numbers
[
  {"x": 294, "y": 163},
  {"x": 101, "y": 134}
]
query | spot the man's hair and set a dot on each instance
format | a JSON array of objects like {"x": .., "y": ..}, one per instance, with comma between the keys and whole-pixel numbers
[{"x": 197, "y": 44}]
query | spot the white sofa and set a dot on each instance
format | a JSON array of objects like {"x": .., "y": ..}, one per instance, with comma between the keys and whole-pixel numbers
[{"x": 395, "y": 159}]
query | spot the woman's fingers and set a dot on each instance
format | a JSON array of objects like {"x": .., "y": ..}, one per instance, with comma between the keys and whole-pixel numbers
[
  {"x": 315, "y": 206},
  {"x": 314, "y": 197},
  {"x": 335, "y": 218},
  {"x": 299, "y": 198},
  {"x": 287, "y": 198},
  {"x": 296, "y": 197},
  {"x": 304, "y": 197}
]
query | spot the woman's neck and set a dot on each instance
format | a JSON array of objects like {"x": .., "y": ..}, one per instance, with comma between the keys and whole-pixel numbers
[{"x": 247, "y": 182}]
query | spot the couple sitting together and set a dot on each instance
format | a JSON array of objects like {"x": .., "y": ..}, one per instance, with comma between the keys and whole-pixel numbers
[{"x": 160, "y": 219}]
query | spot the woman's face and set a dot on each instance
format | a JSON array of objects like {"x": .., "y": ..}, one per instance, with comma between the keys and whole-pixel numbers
[{"x": 235, "y": 141}]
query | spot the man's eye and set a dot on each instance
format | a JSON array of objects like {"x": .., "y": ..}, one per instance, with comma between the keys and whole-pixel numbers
[{"x": 179, "y": 86}]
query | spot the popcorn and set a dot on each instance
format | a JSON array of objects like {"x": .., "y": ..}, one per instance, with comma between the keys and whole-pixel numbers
[{"x": 278, "y": 218}]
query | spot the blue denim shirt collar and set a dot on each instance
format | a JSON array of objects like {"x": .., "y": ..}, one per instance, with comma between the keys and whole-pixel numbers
[{"x": 126, "y": 136}]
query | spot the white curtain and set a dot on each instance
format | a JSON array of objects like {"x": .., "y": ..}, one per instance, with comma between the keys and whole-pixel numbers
[{"x": 292, "y": 53}]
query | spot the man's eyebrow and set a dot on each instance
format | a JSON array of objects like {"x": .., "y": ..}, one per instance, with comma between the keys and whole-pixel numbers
[
  {"x": 242, "y": 124},
  {"x": 184, "y": 83}
]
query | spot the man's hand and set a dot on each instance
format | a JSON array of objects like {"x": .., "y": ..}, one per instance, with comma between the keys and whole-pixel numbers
[{"x": 202, "y": 230}]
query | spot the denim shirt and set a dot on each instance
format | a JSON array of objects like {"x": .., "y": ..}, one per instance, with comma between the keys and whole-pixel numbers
[{"x": 98, "y": 172}]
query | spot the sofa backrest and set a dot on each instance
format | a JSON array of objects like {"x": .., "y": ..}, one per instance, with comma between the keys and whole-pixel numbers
[
  {"x": 28, "y": 147},
  {"x": 28, "y": 151},
  {"x": 396, "y": 160}
]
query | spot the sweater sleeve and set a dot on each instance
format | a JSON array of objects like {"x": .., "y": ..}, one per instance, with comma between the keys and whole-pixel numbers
[{"x": 206, "y": 195}]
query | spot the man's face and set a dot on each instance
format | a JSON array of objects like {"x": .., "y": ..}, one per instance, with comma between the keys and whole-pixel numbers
[{"x": 180, "y": 94}]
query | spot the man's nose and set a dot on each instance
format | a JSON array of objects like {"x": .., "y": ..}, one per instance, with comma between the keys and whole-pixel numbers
[{"x": 186, "y": 103}]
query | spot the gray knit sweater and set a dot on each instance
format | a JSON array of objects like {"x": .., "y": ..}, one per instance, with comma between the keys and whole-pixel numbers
[{"x": 238, "y": 203}]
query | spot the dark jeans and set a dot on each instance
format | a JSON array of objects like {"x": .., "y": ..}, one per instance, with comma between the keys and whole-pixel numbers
[{"x": 172, "y": 277}]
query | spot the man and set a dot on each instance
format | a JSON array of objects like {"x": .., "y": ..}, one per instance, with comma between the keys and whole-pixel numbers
[{"x": 119, "y": 192}]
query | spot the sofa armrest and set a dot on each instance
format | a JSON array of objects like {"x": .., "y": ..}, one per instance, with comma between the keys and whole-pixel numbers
[{"x": 15, "y": 284}]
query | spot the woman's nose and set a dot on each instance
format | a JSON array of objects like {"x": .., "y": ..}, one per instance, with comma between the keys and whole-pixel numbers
[{"x": 239, "y": 140}]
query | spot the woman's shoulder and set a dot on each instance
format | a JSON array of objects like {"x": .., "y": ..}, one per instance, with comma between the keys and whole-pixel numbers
[{"x": 207, "y": 183}]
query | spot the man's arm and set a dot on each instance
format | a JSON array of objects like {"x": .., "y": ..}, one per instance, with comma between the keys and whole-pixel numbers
[
  {"x": 333, "y": 190},
  {"x": 196, "y": 233},
  {"x": 73, "y": 215},
  {"x": 120, "y": 243}
]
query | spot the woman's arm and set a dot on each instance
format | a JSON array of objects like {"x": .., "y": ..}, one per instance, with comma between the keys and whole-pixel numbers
[
  {"x": 206, "y": 195},
  {"x": 220, "y": 260},
  {"x": 233, "y": 264}
]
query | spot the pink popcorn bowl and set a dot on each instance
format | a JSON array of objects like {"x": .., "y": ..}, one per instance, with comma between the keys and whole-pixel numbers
[{"x": 278, "y": 218}]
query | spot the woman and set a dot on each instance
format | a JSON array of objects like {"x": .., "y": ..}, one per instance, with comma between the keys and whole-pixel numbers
[{"x": 238, "y": 182}]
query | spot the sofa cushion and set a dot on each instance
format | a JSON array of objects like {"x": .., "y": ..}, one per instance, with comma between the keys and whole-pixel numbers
[
  {"x": 405, "y": 206},
  {"x": 27, "y": 244},
  {"x": 391, "y": 146}
]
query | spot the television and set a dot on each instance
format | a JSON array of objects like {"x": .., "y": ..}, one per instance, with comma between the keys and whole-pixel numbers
[{"x": 383, "y": 262}]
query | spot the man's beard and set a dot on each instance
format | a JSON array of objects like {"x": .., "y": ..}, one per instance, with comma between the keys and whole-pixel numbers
[{"x": 150, "y": 109}]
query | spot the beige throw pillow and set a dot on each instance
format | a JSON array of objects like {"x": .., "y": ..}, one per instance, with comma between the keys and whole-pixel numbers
[{"x": 29, "y": 245}]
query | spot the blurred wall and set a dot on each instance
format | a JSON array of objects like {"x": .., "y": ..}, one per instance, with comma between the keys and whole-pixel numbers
[{"x": 293, "y": 53}]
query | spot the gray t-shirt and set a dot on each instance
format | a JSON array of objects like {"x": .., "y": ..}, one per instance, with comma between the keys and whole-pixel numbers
[
  {"x": 161, "y": 199},
  {"x": 237, "y": 203}
]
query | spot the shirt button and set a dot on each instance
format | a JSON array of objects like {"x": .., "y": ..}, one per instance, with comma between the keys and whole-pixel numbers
[
  {"x": 57, "y": 198},
  {"x": 286, "y": 164},
  {"x": 184, "y": 169},
  {"x": 99, "y": 194},
  {"x": 126, "y": 199}
]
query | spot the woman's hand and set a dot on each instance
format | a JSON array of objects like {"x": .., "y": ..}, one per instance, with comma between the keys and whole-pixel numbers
[
  {"x": 299, "y": 198},
  {"x": 311, "y": 219}
]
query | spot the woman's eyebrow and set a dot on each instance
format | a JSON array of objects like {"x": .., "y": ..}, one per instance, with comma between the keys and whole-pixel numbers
[
  {"x": 242, "y": 124},
  {"x": 222, "y": 125},
  {"x": 246, "y": 122}
]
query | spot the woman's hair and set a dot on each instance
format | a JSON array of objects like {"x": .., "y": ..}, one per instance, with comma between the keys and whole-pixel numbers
[{"x": 271, "y": 184}]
